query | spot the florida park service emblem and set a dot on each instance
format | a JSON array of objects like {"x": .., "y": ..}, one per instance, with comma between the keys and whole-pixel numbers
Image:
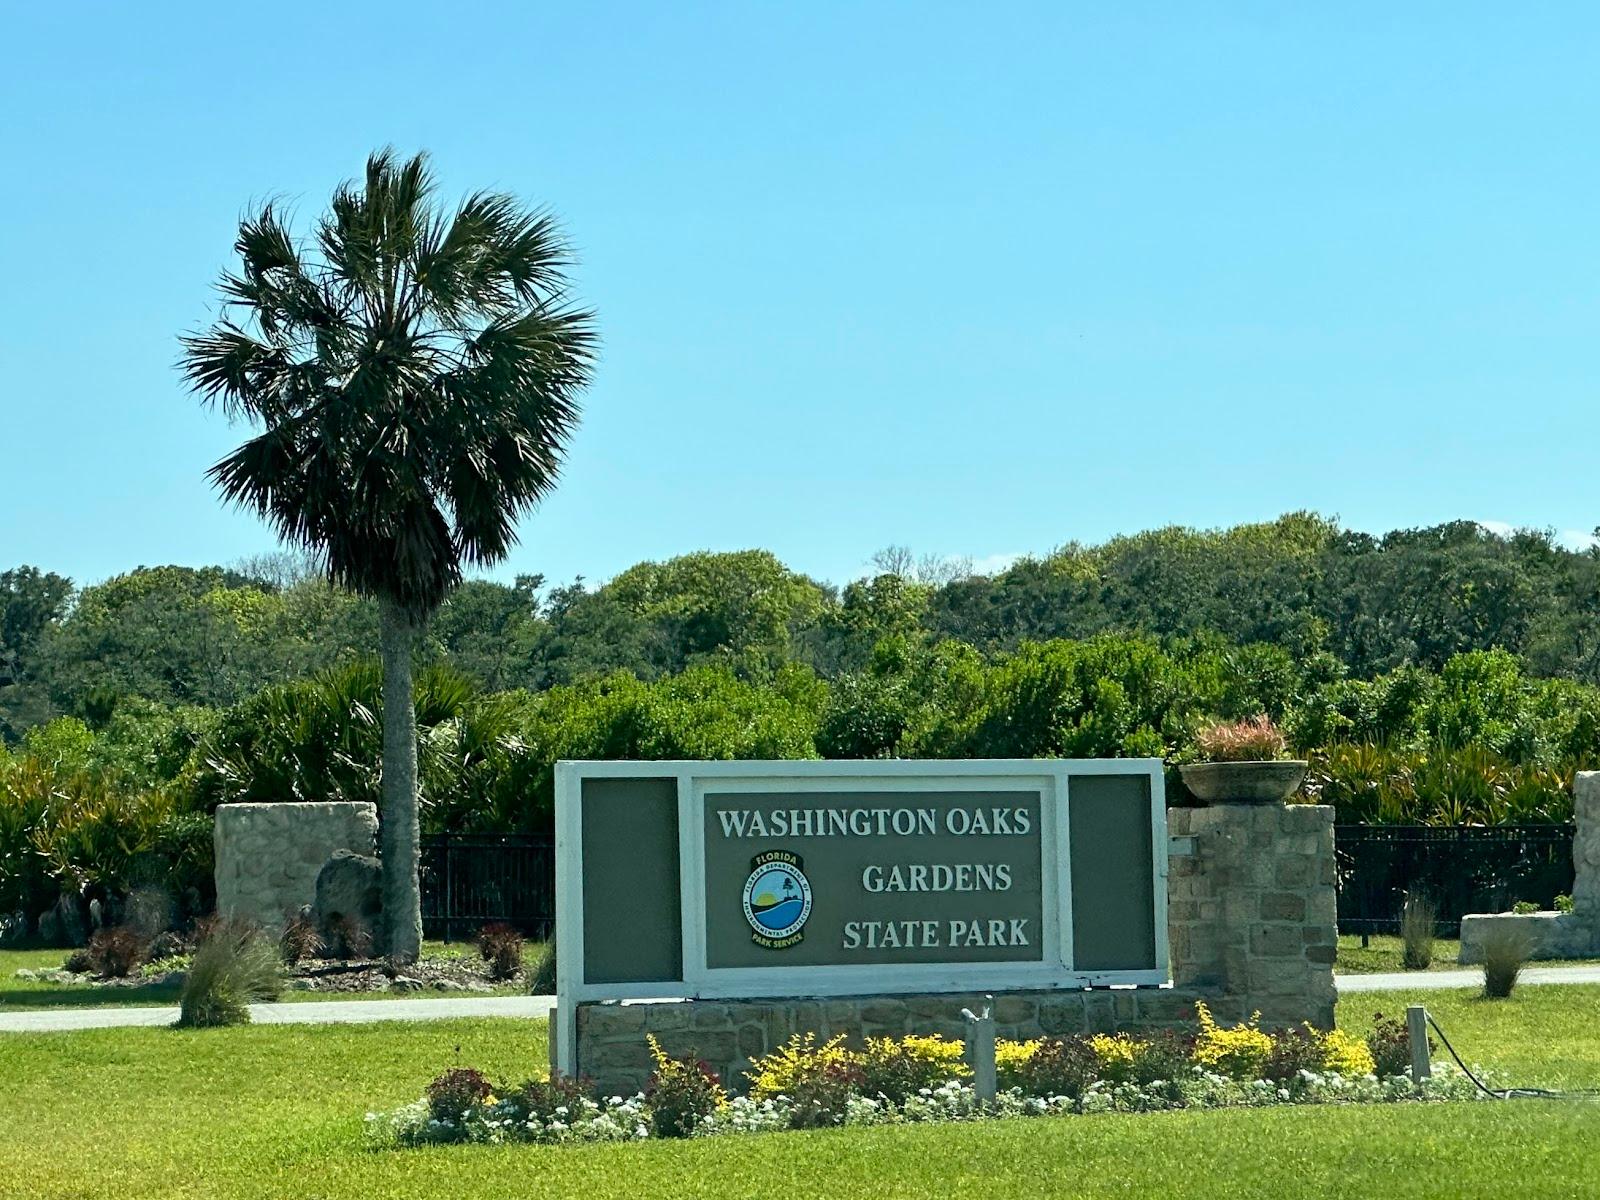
[{"x": 777, "y": 899}]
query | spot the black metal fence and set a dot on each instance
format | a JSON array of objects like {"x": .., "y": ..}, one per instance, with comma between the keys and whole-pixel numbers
[
  {"x": 470, "y": 879},
  {"x": 1461, "y": 868}
]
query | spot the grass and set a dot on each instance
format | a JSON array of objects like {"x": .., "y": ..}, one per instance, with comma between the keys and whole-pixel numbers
[
  {"x": 1383, "y": 954},
  {"x": 266, "y": 1111},
  {"x": 18, "y": 995}
]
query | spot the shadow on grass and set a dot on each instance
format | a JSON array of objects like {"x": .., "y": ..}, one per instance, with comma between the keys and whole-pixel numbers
[{"x": 85, "y": 996}]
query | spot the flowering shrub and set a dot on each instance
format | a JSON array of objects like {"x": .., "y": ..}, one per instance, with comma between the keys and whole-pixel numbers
[
  {"x": 547, "y": 1100},
  {"x": 1255, "y": 740},
  {"x": 1059, "y": 1066},
  {"x": 1011, "y": 1061},
  {"x": 1114, "y": 1056},
  {"x": 1346, "y": 1054},
  {"x": 794, "y": 1062},
  {"x": 895, "y": 1068},
  {"x": 1239, "y": 1053},
  {"x": 682, "y": 1092},
  {"x": 456, "y": 1093}
]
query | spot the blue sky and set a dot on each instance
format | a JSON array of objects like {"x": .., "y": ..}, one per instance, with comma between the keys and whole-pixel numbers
[{"x": 975, "y": 279}]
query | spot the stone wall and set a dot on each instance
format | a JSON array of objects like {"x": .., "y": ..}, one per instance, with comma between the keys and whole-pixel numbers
[
  {"x": 1555, "y": 935},
  {"x": 268, "y": 855},
  {"x": 730, "y": 1033},
  {"x": 1251, "y": 924}
]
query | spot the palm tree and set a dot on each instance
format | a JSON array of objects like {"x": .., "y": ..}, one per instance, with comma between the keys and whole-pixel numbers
[{"x": 415, "y": 377}]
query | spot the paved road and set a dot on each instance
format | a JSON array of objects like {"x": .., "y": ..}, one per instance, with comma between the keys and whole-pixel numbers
[
  {"x": 309, "y": 1012},
  {"x": 1403, "y": 981},
  {"x": 337, "y": 1012}
]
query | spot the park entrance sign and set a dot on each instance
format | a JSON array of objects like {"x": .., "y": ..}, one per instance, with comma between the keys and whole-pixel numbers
[{"x": 716, "y": 880}]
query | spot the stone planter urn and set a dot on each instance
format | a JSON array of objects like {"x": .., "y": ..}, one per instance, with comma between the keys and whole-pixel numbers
[{"x": 1265, "y": 782}]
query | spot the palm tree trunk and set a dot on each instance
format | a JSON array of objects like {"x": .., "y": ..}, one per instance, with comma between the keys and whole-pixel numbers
[{"x": 399, "y": 829}]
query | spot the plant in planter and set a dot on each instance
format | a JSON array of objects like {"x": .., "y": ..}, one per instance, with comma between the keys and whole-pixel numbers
[{"x": 1243, "y": 762}]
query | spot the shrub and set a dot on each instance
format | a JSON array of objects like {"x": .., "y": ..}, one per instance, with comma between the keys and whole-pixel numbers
[
  {"x": 1564, "y": 903},
  {"x": 1390, "y": 1046},
  {"x": 1114, "y": 1056},
  {"x": 1293, "y": 1051},
  {"x": 682, "y": 1093},
  {"x": 300, "y": 939},
  {"x": 1524, "y": 907},
  {"x": 1058, "y": 1066},
  {"x": 1346, "y": 1054},
  {"x": 501, "y": 947},
  {"x": 1242, "y": 741},
  {"x": 542, "y": 979},
  {"x": 780, "y": 1072},
  {"x": 116, "y": 953},
  {"x": 1505, "y": 953},
  {"x": 820, "y": 1097},
  {"x": 1165, "y": 1055},
  {"x": 1416, "y": 932},
  {"x": 1011, "y": 1060},
  {"x": 1239, "y": 1053},
  {"x": 234, "y": 965},
  {"x": 541, "y": 1099},
  {"x": 895, "y": 1068},
  {"x": 456, "y": 1093}
]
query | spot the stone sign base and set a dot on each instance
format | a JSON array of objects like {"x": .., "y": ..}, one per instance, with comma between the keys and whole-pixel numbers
[{"x": 729, "y": 1034}]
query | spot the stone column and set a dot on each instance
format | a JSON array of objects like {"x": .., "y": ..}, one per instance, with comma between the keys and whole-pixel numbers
[
  {"x": 1251, "y": 912},
  {"x": 1586, "y": 848}
]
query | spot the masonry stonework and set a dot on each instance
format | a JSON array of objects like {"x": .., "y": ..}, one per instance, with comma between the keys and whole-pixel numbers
[
  {"x": 1251, "y": 926},
  {"x": 268, "y": 855}
]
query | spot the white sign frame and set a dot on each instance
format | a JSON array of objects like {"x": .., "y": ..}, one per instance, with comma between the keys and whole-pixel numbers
[{"x": 1051, "y": 779}]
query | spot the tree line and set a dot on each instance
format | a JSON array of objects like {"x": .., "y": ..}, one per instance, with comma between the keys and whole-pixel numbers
[{"x": 1342, "y": 604}]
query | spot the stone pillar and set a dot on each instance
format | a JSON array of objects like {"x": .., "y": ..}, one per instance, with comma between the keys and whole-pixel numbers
[
  {"x": 1251, "y": 913},
  {"x": 268, "y": 855},
  {"x": 1586, "y": 848}
]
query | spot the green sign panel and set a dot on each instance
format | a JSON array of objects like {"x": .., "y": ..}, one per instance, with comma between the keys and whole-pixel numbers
[{"x": 844, "y": 878}]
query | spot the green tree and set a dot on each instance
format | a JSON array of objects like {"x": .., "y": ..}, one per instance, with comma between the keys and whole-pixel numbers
[{"x": 415, "y": 375}]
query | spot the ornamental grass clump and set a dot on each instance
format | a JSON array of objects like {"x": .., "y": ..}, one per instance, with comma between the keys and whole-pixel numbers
[
  {"x": 1505, "y": 953},
  {"x": 1416, "y": 932},
  {"x": 1255, "y": 740},
  {"x": 681, "y": 1094},
  {"x": 300, "y": 939},
  {"x": 235, "y": 965}
]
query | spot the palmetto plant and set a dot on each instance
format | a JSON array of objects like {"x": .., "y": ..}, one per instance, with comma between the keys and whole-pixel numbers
[{"x": 415, "y": 377}]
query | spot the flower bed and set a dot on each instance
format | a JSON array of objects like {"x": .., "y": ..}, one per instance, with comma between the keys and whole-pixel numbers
[{"x": 918, "y": 1079}]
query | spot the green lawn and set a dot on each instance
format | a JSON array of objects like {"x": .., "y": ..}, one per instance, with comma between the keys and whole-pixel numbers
[
  {"x": 18, "y": 994},
  {"x": 276, "y": 1111},
  {"x": 1382, "y": 954}
]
